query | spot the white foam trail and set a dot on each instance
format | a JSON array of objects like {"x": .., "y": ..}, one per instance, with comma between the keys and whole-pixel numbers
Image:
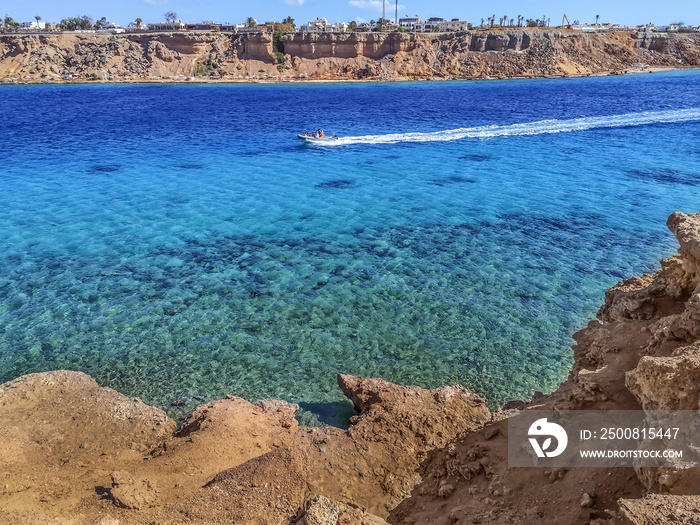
[{"x": 529, "y": 128}]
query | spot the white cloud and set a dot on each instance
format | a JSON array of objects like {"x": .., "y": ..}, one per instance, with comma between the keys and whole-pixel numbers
[
  {"x": 366, "y": 4},
  {"x": 155, "y": 2},
  {"x": 375, "y": 5},
  {"x": 295, "y": 2},
  {"x": 360, "y": 20}
]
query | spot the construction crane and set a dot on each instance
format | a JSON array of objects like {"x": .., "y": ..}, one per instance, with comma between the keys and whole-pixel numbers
[{"x": 565, "y": 19}]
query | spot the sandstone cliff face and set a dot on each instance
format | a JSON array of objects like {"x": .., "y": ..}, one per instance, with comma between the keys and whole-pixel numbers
[
  {"x": 134, "y": 56},
  {"x": 390, "y": 56}
]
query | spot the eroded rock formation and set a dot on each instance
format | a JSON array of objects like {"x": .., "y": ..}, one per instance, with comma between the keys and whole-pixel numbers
[
  {"x": 377, "y": 56},
  {"x": 72, "y": 450},
  {"x": 642, "y": 354}
]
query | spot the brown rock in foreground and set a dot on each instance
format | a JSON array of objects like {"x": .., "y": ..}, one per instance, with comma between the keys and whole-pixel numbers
[
  {"x": 73, "y": 451},
  {"x": 60, "y": 434},
  {"x": 657, "y": 509}
]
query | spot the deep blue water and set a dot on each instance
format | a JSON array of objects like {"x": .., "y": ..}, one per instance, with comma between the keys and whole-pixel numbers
[{"x": 177, "y": 243}]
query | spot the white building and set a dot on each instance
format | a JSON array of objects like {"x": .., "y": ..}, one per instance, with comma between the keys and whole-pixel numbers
[
  {"x": 413, "y": 23},
  {"x": 34, "y": 25},
  {"x": 111, "y": 28},
  {"x": 453, "y": 25},
  {"x": 317, "y": 26},
  {"x": 321, "y": 25},
  {"x": 646, "y": 28},
  {"x": 602, "y": 27},
  {"x": 430, "y": 25},
  {"x": 409, "y": 23}
]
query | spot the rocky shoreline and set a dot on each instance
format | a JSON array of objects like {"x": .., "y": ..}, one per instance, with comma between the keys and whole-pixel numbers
[
  {"x": 73, "y": 452},
  {"x": 218, "y": 57}
]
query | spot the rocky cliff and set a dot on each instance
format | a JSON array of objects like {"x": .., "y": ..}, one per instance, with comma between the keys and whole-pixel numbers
[
  {"x": 389, "y": 56},
  {"x": 77, "y": 453},
  {"x": 73, "y": 452},
  {"x": 641, "y": 354}
]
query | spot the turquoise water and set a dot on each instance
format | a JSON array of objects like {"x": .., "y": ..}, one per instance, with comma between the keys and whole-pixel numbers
[{"x": 178, "y": 243}]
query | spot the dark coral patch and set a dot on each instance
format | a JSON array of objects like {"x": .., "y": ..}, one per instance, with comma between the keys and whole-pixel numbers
[{"x": 340, "y": 184}]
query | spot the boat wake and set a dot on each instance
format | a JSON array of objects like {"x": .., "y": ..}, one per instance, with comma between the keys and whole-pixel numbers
[{"x": 529, "y": 128}]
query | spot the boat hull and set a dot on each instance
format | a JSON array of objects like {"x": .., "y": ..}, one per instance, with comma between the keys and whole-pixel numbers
[{"x": 315, "y": 140}]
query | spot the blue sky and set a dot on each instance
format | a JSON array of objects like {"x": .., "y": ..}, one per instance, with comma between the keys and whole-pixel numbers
[{"x": 125, "y": 11}]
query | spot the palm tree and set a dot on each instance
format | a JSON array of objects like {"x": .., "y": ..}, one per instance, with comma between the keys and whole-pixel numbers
[
  {"x": 37, "y": 21},
  {"x": 138, "y": 23},
  {"x": 251, "y": 22},
  {"x": 9, "y": 23}
]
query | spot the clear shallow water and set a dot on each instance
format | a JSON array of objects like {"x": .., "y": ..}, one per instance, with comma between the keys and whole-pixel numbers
[{"x": 178, "y": 244}]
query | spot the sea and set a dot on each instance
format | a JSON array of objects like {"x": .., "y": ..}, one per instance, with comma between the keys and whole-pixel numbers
[{"x": 179, "y": 243}]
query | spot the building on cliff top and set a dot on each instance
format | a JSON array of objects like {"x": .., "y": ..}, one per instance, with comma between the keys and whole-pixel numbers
[
  {"x": 167, "y": 26},
  {"x": 453, "y": 25},
  {"x": 321, "y": 25},
  {"x": 34, "y": 25},
  {"x": 432, "y": 24},
  {"x": 409, "y": 23}
]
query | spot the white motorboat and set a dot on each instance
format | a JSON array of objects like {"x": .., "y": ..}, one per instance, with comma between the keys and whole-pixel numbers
[{"x": 310, "y": 139}]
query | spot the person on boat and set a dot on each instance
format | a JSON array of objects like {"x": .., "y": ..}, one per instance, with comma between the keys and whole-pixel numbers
[
  {"x": 334, "y": 136},
  {"x": 307, "y": 133},
  {"x": 313, "y": 135}
]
